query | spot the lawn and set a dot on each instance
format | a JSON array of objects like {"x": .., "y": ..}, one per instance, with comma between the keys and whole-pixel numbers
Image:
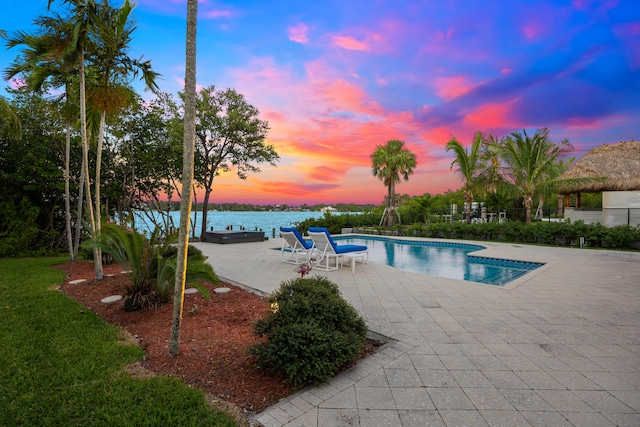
[{"x": 62, "y": 365}]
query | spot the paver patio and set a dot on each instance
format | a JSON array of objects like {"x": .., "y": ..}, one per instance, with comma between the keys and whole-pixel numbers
[{"x": 559, "y": 346}]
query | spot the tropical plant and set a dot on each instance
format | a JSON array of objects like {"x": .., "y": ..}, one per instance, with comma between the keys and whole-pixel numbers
[
  {"x": 10, "y": 122},
  {"x": 528, "y": 164},
  {"x": 197, "y": 269},
  {"x": 149, "y": 265},
  {"x": 468, "y": 167},
  {"x": 391, "y": 163}
]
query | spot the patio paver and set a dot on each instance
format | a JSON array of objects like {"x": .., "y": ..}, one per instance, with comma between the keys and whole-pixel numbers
[{"x": 559, "y": 346}]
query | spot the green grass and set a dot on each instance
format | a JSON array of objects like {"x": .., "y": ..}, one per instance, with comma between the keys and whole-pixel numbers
[{"x": 62, "y": 365}]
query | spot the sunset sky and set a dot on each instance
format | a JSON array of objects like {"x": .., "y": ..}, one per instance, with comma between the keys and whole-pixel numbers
[{"x": 335, "y": 78}]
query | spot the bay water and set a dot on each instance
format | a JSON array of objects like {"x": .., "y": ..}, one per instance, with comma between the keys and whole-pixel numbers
[{"x": 269, "y": 222}]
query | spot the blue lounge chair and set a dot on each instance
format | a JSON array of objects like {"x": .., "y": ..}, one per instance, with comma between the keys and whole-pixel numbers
[
  {"x": 294, "y": 246},
  {"x": 328, "y": 250}
]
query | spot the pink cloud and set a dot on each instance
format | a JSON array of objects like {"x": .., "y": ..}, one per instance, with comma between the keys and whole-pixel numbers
[
  {"x": 325, "y": 173},
  {"x": 491, "y": 116},
  {"x": 333, "y": 125},
  {"x": 589, "y": 4},
  {"x": 217, "y": 13},
  {"x": 531, "y": 31},
  {"x": 449, "y": 88},
  {"x": 381, "y": 40},
  {"x": 350, "y": 43},
  {"x": 582, "y": 123},
  {"x": 298, "y": 33}
]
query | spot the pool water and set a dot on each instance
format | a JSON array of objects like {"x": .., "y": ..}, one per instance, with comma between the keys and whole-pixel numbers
[{"x": 452, "y": 260}]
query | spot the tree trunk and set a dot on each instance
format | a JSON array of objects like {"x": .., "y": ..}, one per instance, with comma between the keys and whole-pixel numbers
[
  {"x": 67, "y": 192},
  {"x": 391, "y": 205},
  {"x": 76, "y": 238},
  {"x": 194, "y": 208},
  {"x": 560, "y": 205},
  {"x": 205, "y": 210},
  {"x": 187, "y": 175},
  {"x": 528, "y": 202},
  {"x": 98, "y": 209},
  {"x": 468, "y": 198},
  {"x": 97, "y": 260}
]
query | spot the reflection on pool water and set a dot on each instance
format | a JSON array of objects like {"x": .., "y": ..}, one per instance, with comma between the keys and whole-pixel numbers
[{"x": 443, "y": 259}]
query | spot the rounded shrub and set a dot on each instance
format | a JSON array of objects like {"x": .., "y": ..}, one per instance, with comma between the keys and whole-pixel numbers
[
  {"x": 311, "y": 333},
  {"x": 172, "y": 250}
]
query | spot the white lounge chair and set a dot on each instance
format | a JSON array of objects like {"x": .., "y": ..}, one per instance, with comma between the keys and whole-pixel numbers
[
  {"x": 294, "y": 246},
  {"x": 329, "y": 253}
]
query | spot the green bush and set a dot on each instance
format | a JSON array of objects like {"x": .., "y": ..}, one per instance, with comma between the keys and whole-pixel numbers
[
  {"x": 336, "y": 222},
  {"x": 192, "y": 252},
  {"x": 541, "y": 232},
  {"x": 18, "y": 228},
  {"x": 311, "y": 333}
]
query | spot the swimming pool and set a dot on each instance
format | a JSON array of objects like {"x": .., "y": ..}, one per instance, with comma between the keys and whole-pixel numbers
[{"x": 445, "y": 259}]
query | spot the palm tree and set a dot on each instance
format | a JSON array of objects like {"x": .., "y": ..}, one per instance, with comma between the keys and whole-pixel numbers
[
  {"x": 468, "y": 167},
  {"x": 555, "y": 170},
  {"x": 112, "y": 32},
  {"x": 84, "y": 13},
  {"x": 41, "y": 60},
  {"x": 187, "y": 175},
  {"x": 529, "y": 162},
  {"x": 391, "y": 163},
  {"x": 11, "y": 121}
]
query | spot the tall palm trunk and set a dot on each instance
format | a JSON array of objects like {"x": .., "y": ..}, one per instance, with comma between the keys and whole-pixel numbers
[
  {"x": 97, "y": 258},
  {"x": 78, "y": 231},
  {"x": 67, "y": 192},
  {"x": 468, "y": 199},
  {"x": 560, "y": 205},
  {"x": 187, "y": 175},
  {"x": 98, "y": 207},
  {"x": 391, "y": 205},
  {"x": 528, "y": 203}
]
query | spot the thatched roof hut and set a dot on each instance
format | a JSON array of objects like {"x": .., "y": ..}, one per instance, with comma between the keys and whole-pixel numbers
[{"x": 618, "y": 164}]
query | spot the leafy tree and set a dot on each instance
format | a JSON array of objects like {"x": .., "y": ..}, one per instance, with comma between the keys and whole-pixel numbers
[
  {"x": 390, "y": 163},
  {"x": 41, "y": 62},
  {"x": 144, "y": 158},
  {"x": 468, "y": 167},
  {"x": 30, "y": 168},
  {"x": 229, "y": 134},
  {"x": 187, "y": 176}
]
